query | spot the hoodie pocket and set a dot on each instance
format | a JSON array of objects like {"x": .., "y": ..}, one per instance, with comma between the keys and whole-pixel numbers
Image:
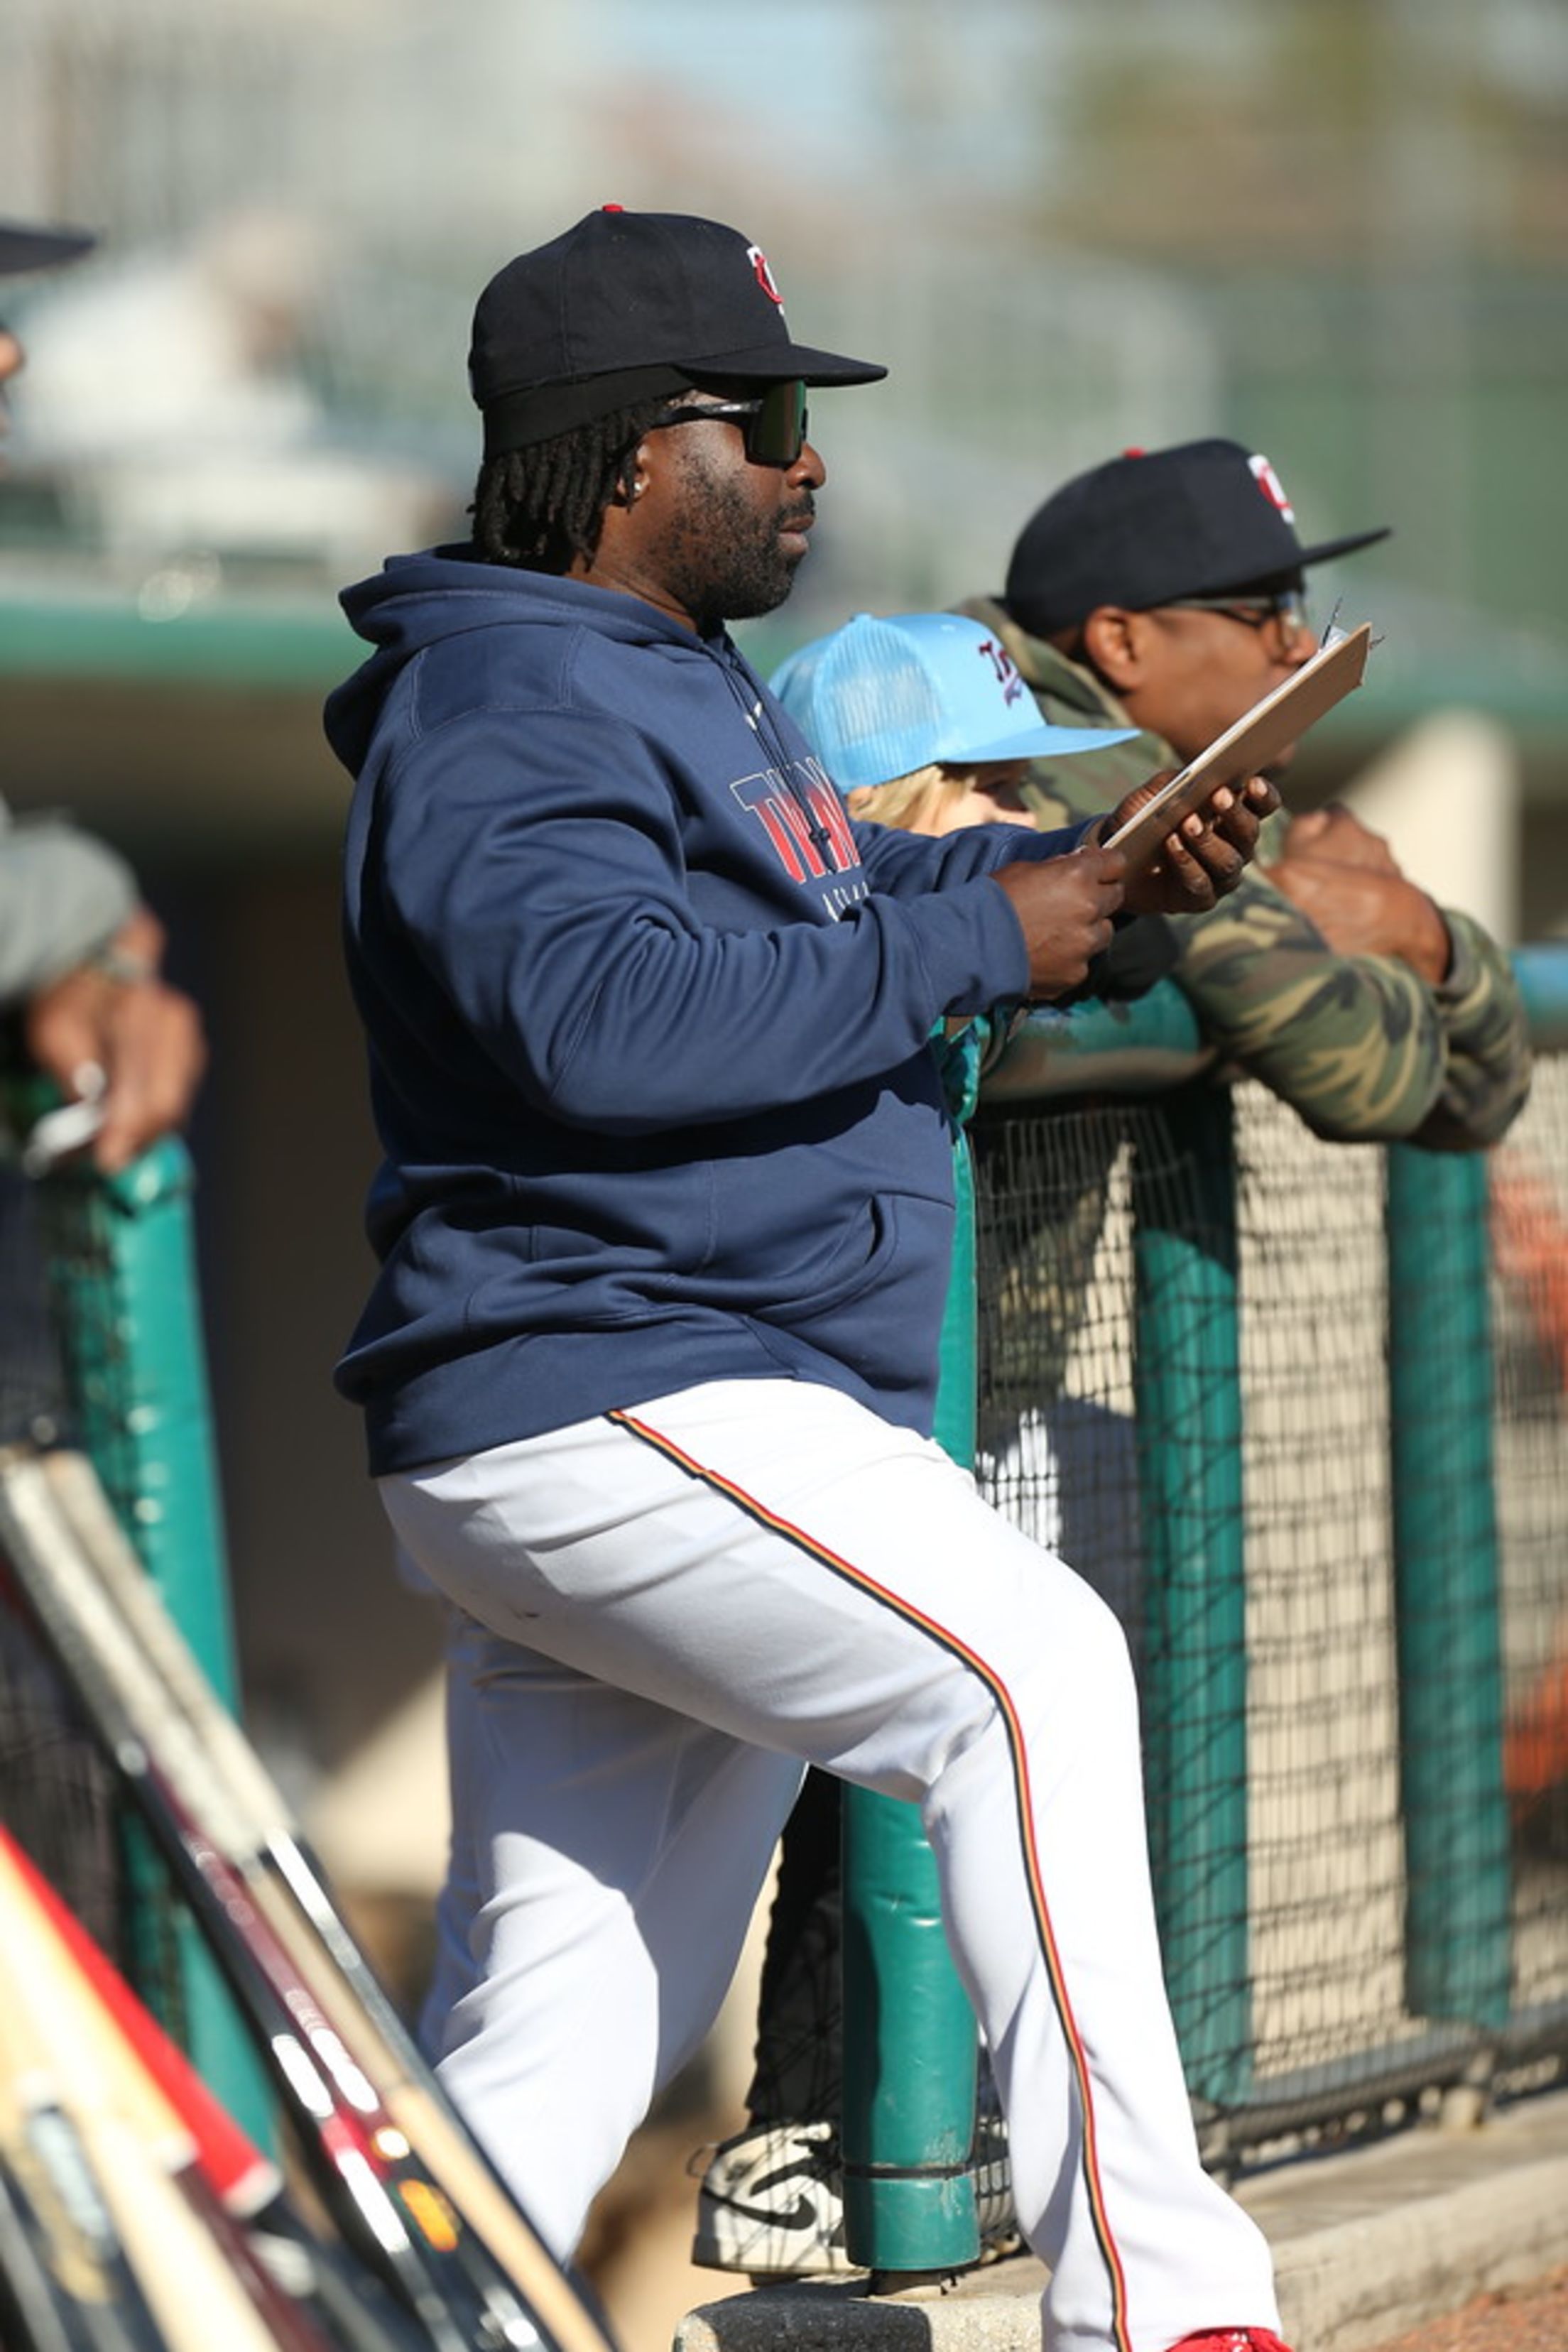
[
  {"x": 882, "y": 1314},
  {"x": 830, "y": 1270}
]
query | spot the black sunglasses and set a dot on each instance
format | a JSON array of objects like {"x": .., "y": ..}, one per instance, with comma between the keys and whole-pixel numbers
[
  {"x": 773, "y": 425},
  {"x": 1286, "y": 606}
]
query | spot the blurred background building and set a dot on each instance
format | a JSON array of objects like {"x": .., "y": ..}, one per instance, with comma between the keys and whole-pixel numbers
[{"x": 1337, "y": 229}]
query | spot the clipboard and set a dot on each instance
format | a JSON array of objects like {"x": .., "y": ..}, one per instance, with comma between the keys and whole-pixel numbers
[{"x": 1258, "y": 736}]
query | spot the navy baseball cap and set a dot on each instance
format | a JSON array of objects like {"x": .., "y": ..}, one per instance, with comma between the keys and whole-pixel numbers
[
  {"x": 1200, "y": 519},
  {"x": 879, "y": 699},
  {"x": 625, "y": 307},
  {"x": 24, "y": 246}
]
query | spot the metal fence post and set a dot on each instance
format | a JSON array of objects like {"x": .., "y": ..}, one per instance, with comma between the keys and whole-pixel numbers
[
  {"x": 908, "y": 2031},
  {"x": 121, "y": 1270},
  {"x": 1459, "y": 1896},
  {"x": 1187, "y": 1392}
]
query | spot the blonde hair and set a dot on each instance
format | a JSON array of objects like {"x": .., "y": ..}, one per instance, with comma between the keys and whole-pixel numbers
[{"x": 907, "y": 801}]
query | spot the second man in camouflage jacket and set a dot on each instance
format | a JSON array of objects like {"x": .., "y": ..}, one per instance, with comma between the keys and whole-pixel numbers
[{"x": 1366, "y": 1046}]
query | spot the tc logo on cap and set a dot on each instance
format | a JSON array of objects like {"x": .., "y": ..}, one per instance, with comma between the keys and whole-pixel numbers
[
  {"x": 1006, "y": 670},
  {"x": 1272, "y": 488},
  {"x": 764, "y": 276}
]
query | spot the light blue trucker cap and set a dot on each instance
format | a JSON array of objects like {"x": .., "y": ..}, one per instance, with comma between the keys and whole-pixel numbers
[{"x": 879, "y": 699}]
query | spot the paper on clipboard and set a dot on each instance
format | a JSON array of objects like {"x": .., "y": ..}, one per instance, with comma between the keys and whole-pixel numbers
[{"x": 1258, "y": 737}]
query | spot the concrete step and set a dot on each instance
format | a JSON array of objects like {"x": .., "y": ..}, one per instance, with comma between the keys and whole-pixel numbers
[{"x": 1367, "y": 2243}]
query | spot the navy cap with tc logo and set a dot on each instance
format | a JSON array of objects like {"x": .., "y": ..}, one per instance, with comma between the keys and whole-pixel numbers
[
  {"x": 626, "y": 307},
  {"x": 1200, "y": 519}
]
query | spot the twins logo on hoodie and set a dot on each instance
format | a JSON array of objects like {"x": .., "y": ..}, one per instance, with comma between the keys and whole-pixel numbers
[{"x": 804, "y": 821}]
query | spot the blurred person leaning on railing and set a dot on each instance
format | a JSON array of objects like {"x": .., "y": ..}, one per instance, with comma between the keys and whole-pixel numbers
[
  {"x": 80, "y": 956},
  {"x": 83, "y": 1004}
]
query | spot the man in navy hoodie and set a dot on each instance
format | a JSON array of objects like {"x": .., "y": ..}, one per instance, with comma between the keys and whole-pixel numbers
[{"x": 664, "y": 1223}]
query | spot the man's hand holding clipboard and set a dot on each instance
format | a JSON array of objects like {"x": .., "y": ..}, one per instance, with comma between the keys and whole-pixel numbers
[
  {"x": 1146, "y": 862},
  {"x": 1145, "y": 820}
]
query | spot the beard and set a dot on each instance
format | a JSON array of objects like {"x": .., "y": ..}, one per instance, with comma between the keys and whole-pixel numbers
[{"x": 724, "y": 559}]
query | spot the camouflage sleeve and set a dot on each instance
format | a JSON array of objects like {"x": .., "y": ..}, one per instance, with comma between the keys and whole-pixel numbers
[
  {"x": 1355, "y": 1044},
  {"x": 1360, "y": 1046},
  {"x": 1066, "y": 792},
  {"x": 1486, "y": 1077}
]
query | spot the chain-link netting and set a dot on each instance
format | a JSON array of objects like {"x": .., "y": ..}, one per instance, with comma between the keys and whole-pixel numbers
[
  {"x": 56, "y": 1792},
  {"x": 1326, "y": 1866},
  {"x": 1311, "y": 1867},
  {"x": 1054, "y": 1426},
  {"x": 1529, "y": 1242},
  {"x": 32, "y": 1381},
  {"x": 100, "y": 1351}
]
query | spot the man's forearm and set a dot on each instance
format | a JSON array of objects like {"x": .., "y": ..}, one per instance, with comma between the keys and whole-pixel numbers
[{"x": 1355, "y": 1044}]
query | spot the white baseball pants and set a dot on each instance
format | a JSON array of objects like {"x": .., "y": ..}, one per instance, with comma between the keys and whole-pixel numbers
[{"x": 659, "y": 1615}]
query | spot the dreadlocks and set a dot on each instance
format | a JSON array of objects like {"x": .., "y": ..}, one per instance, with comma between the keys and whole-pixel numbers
[{"x": 539, "y": 508}]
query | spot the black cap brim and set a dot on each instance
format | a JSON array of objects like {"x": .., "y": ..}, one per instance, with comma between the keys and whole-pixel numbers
[
  {"x": 1235, "y": 583},
  {"x": 1327, "y": 549},
  {"x": 535, "y": 412},
  {"x": 1324, "y": 551},
  {"x": 777, "y": 363},
  {"x": 1261, "y": 582},
  {"x": 24, "y": 246}
]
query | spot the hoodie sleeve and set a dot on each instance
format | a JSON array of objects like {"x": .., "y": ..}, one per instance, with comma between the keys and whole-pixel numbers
[
  {"x": 547, "y": 900},
  {"x": 907, "y": 864}
]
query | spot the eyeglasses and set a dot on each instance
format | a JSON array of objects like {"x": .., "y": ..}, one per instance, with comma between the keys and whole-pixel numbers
[
  {"x": 1286, "y": 607},
  {"x": 772, "y": 426}
]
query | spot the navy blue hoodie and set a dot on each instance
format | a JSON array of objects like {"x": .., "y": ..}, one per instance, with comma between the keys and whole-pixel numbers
[{"x": 647, "y": 1018}]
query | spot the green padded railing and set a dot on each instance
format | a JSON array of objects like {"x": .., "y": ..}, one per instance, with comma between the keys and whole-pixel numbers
[
  {"x": 910, "y": 2040},
  {"x": 1187, "y": 1401},
  {"x": 120, "y": 1270},
  {"x": 1453, "y": 1805}
]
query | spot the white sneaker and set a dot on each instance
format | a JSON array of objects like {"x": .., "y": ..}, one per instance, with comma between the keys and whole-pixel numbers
[
  {"x": 994, "y": 2206},
  {"x": 770, "y": 2202}
]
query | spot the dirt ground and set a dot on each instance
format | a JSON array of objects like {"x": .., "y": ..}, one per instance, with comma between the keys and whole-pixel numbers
[{"x": 1520, "y": 2319}]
